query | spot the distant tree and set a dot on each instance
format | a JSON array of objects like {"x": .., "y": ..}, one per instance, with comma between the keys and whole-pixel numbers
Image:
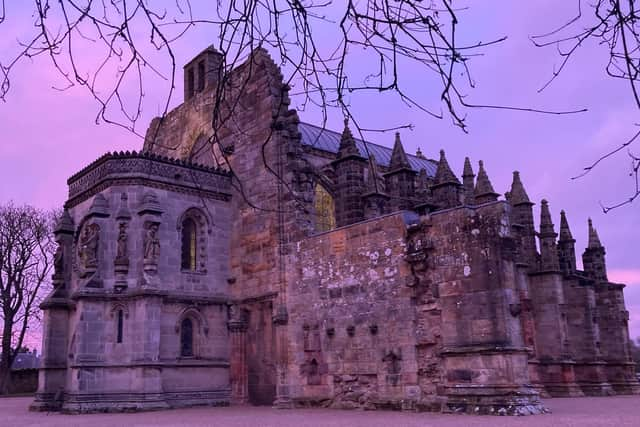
[{"x": 26, "y": 258}]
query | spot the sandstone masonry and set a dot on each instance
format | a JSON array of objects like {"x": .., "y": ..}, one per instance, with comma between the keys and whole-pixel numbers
[{"x": 264, "y": 260}]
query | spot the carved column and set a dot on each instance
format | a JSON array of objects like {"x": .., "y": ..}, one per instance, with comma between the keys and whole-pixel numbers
[
  {"x": 56, "y": 307},
  {"x": 283, "y": 394},
  {"x": 239, "y": 369}
]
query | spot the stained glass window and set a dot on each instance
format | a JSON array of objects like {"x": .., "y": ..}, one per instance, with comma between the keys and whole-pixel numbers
[{"x": 324, "y": 209}]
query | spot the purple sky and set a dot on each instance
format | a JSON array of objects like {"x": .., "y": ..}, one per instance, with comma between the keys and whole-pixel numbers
[{"x": 47, "y": 135}]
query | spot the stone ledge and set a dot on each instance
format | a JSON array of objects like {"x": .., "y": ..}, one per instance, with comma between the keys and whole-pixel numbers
[{"x": 181, "y": 363}]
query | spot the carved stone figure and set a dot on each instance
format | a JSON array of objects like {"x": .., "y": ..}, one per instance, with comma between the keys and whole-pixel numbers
[
  {"x": 88, "y": 248},
  {"x": 152, "y": 245},
  {"x": 122, "y": 256},
  {"x": 58, "y": 261}
]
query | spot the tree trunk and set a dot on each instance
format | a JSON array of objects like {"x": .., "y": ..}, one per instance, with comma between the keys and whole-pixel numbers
[{"x": 7, "y": 358}]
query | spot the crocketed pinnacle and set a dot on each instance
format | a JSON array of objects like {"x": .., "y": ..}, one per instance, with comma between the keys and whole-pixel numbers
[
  {"x": 483, "y": 184},
  {"x": 594, "y": 240},
  {"x": 518, "y": 195},
  {"x": 399, "y": 158},
  {"x": 347, "y": 142},
  {"x": 65, "y": 223},
  {"x": 444, "y": 173},
  {"x": 467, "y": 170},
  {"x": 376, "y": 181},
  {"x": 546, "y": 226},
  {"x": 565, "y": 232}
]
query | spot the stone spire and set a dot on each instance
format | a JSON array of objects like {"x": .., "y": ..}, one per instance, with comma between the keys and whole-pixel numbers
[
  {"x": 64, "y": 224},
  {"x": 375, "y": 183},
  {"x": 484, "y": 191},
  {"x": 546, "y": 225},
  {"x": 446, "y": 187},
  {"x": 347, "y": 142},
  {"x": 565, "y": 232},
  {"x": 518, "y": 195},
  {"x": 399, "y": 158},
  {"x": 400, "y": 179},
  {"x": 444, "y": 174},
  {"x": 549, "y": 260},
  {"x": 566, "y": 247},
  {"x": 376, "y": 201},
  {"x": 522, "y": 218},
  {"x": 594, "y": 240},
  {"x": 349, "y": 168},
  {"x": 467, "y": 182},
  {"x": 593, "y": 257}
]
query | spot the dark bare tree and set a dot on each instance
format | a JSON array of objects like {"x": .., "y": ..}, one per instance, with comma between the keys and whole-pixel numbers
[
  {"x": 614, "y": 24},
  {"x": 25, "y": 263},
  {"x": 322, "y": 46}
]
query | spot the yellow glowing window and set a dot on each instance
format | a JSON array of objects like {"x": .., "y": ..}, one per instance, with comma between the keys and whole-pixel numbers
[
  {"x": 189, "y": 248},
  {"x": 324, "y": 209}
]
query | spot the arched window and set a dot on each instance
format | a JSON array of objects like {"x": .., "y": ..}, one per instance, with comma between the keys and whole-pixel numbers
[
  {"x": 189, "y": 244},
  {"x": 186, "y": 338},
  {"x": 120, "y": 326},
  {"x": 325, "y": 218}
]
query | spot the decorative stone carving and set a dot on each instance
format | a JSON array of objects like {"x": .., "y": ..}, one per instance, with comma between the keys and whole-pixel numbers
[
  {"x": 88, "y": 247},
  {"x": 122, "y": 256},
  {"x": 150, "y": 205},
  {"x": 151, "y": 247},
  {"x": 58, "y": 262},
  {"x": 237, "y": 319},
  {"x": 123, "y": 213},
  {"x": 100, "y": 207}
]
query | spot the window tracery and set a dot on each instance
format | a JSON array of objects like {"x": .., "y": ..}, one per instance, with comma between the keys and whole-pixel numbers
[{"x": 324, "y": 205}]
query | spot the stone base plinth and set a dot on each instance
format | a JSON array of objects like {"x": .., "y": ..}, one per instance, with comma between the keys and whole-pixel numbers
[
  {"x": 488, "y": 400},
  {"x": 76, "y": 403}
]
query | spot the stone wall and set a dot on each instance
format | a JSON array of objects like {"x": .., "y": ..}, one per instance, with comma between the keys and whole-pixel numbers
[{"x": 351, "y": 318}]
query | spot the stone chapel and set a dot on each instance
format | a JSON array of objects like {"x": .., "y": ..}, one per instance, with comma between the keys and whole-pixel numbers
[{"x": 295, "y": 266}]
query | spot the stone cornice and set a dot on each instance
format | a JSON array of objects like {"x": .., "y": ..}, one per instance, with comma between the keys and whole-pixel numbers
[
  {"x": 167, "y": 296},
  {"x": 151, "y": 170}
]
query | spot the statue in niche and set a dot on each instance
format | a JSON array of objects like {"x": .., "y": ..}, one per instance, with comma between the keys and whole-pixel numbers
[
  {"x": 152, "y": 245},
  {"x": 58, "y": 261},
  {"x": 121, "y": 246},
  {"x": 88, "y": 250}
]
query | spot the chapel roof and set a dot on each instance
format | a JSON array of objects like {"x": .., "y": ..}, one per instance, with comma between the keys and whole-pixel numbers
[{"x": 327, "y": 140}]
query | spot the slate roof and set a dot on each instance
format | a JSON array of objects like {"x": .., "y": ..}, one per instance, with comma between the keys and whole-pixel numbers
[{"x": 328, "y": 140}]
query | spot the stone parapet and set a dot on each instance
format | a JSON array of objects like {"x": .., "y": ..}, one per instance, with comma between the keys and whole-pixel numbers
[{"x": 129, "y": 168}]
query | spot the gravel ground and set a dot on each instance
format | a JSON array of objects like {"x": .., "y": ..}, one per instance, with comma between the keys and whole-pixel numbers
[{"x": 619, "y": 411}]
